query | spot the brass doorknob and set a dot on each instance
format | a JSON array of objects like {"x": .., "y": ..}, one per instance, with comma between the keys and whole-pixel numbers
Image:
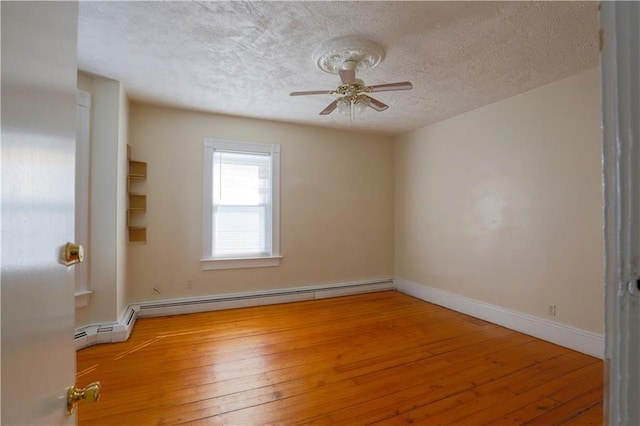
[
  {"x": 74, "y": 394},
  {"x": 73, "y": 253}
]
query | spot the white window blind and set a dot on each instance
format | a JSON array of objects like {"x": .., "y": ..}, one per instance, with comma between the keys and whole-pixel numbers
[{"x": 241, "y": 204}]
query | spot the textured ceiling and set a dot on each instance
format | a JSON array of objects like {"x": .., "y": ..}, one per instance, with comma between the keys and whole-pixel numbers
[{"x": 243, "y": 58}]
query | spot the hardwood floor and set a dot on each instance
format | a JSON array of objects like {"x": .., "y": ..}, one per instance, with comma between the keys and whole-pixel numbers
[{"x": 380, "y": 358}]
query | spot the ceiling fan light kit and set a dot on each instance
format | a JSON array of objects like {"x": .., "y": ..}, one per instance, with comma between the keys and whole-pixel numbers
[
  {"x": 353, "y": 105},
  {"x": 345, "y": 56}
]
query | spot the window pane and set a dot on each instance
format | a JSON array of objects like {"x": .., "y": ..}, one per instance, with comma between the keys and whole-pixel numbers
[
  {"x": 241, "y": 179},
  {"x": 238, "y": 230},
  {"x": 241, "y": 195}
]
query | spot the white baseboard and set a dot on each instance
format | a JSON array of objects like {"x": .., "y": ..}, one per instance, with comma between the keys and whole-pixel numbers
[
  {"x": 121, "y": 330},
  {"x": 564, "y": 335},
  {"x": 561, "y": 334}
]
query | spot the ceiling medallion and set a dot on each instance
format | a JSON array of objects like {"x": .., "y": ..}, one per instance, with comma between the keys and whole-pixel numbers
[{"x": 332, "y": 55}]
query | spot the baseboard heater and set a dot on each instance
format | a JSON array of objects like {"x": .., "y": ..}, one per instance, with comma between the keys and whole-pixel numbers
[
  {"x": 106, "y": 333},
  {"x": 120, "y": 331},
  {"x": 241, "y": 300}
]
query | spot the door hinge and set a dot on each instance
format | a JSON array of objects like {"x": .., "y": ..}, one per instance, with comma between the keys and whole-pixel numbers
[{"x": 602, "y": 39}]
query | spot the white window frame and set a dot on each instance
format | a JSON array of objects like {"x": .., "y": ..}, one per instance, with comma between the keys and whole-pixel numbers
[
  {"x": 83, "y": 137},
  {"x": 208, "y": 261}
]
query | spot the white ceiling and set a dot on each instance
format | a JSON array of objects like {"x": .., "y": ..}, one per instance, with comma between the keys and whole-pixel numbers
[{"x": 243, "y": 58}]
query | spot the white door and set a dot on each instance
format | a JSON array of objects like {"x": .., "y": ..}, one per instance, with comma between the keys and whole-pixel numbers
[
  {"x": 39, "y": 73},
  {"x": 621, "y": 124}
]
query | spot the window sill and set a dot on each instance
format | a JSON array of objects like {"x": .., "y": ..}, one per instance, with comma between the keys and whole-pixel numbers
[{"x": 240, "y": 262}]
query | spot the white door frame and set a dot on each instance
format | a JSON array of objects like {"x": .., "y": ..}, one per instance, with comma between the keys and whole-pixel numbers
[
  {"x": 82, "y": 292},
  {"x": 621, "y": 162}
]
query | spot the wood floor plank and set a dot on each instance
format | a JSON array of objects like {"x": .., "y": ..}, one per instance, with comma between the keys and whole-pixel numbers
[
  {"x": 542, "y": 403},
  {"x": 592, "y": 416},
  {"x": 471, "y": 375},
  {"x": 379, "y": 357},
  {"x": 571, "y": 410}
]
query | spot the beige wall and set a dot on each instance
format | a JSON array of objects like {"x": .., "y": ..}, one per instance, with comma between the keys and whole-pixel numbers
[
  {"x": 336, "y": 204},
  {"x": 107, "y": 248},
  {"x": 504, "y": 204}
]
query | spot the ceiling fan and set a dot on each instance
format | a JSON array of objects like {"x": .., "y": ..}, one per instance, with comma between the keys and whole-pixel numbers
[{"x": 353, "y": 94}]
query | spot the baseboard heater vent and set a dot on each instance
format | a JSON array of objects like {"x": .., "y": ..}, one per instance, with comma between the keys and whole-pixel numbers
[
  {"x": 130, "y": 316},
  {"x": 241, "y": 300}
]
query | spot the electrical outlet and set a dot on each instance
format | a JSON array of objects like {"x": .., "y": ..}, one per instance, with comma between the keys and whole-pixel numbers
[
  {"x": 189, "y": 285},
  {"x": 551, "y": 310}
]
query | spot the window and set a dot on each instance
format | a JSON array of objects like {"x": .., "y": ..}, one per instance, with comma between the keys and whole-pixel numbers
[{"x": 241, "y": 205}]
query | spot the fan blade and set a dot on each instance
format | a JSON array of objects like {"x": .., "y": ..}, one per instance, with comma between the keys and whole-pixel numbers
[
  {"x": 348, "y": 76},
  {"x": 377, "y": 105},
  {"x": 312, "y": 92},
  {"x": 405, "y": 85},
  {"x": 329, "y": 109}
]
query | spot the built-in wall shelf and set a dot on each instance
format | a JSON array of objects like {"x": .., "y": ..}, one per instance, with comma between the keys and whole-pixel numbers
[
  {"x": 137, "y": 234},
  {"x": 137, "y": 203},
  {"x": 137, "y": 170}
]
